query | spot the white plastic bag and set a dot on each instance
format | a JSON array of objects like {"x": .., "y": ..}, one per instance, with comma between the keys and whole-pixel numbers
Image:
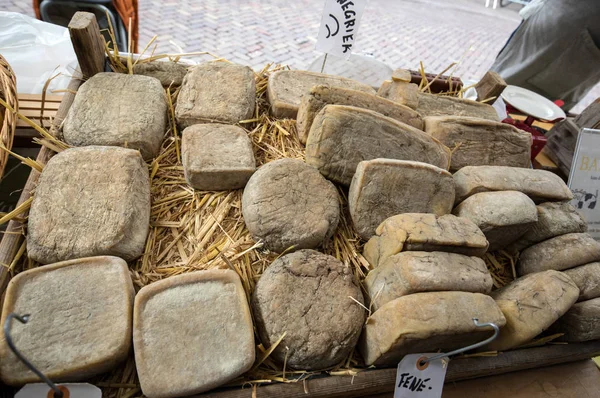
[{"x": 36, "y": 51}]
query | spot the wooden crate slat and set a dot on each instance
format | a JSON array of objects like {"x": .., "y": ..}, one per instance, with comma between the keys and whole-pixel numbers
[
  {"x": 38, "y": 105},
  {"x": 382, "y": 380},
  {"x": 38, "y": 97}
]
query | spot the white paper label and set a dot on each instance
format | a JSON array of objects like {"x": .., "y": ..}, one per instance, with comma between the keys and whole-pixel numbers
[
  {"x": 414, "y": 380},
  {"x": 339, "y": 26},
  {"x": 70, "y": 390},
  {"x": 584, "y": 179}
]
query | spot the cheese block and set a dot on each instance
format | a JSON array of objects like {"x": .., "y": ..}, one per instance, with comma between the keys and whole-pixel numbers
[
  {"x": 287, "y": 205},
  {"x": 118, "y": 109},
  {"x": 539, "y": 185},
  {"x": 169, "y": 73},
  {"x": 479, "y": 142},
  {"x": 217, "y": 156},
  {"x": 426, "y": 322},
  {"x": 554, "y": 219},
  {"x": 90, "y": 201},
  {"x": 587, "y": 279},
  {"x": 80, "y": 320},
  {"x": 382, "y": 188},
  {"x": 314, "y": 300},
  {"x": 434, "y": 105},
  {"x": 502, "y": 216},
  {"x": 580, "y": 323},
  {"x": 559, "y": 253},
  {"x": 216, "y": 91},
  {"x": 424, "y": 232},
  {"x": 320, "y": 96},
  {"x": 414, "y": 272},
  {"x": 343, "y": 136},
  {"x": 285, "y": 89},
  {"x": 530, "y": 305},
  {"x": 192, "y": 333}
]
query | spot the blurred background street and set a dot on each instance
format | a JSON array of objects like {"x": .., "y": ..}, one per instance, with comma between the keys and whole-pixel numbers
[{"x": 399, "y": 33}]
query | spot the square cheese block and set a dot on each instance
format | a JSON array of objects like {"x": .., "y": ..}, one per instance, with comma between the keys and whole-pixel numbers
[
  {"x": 415, "y": 272},
  {"x": 342, "y": 136},
  {"x": 217, "y": 156},
  {"x": 80, "y": 320},
  {"x": 426, "y": 104},
  {"x": 119, "y": 110},
  {"x": 90, "y": 201},
  {"x": 382, "y": 188},
  {"x": 192, "y": 332},
  {"x": 320, "y": 96},
  {"x": 424, "y": 232},
  {"x": 539, "y": 185},
  {"x": 167, "y": 72},
  {"x": 286, "y": 88},
  {"x": 216, "y": 91},
  {"x": 480, "y": 142},
  {"x": 426, "y": 322}
]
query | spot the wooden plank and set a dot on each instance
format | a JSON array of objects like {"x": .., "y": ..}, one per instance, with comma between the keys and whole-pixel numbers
[
  {"x": 38, "y": 105},
  {"x": 35, "y": 113},
  {"x": 380, "y": 381},
  {"x": 542, "y": 161},
  {"x": 13, "y": 237},
  {"x": 88, "y": 43},
  {"x": 545, "y": 125},
  {"x": 581, "y": 379},
  {"x": 38, "y": 97}
]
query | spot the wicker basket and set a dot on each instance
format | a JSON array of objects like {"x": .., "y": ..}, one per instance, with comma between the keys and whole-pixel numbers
[{"x": 8, "y": 119}]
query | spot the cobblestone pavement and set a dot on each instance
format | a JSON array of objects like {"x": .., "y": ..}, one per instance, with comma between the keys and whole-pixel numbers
[{"x": 400, "y": 33}]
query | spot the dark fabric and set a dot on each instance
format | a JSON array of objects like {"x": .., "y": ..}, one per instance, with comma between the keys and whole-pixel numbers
[{"x": 555, "y": 51}]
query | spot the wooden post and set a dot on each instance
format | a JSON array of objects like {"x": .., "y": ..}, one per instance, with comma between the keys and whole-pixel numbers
[
  {"x": 12, "y": 239},
  {"x": 88, "y": 43}
]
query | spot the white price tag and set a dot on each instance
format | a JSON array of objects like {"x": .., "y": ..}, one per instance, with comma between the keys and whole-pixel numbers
[
  {"x": 69, "y": 390},
  {"x": 414, "y": 380},
  {"x": 339, "y": 26}
]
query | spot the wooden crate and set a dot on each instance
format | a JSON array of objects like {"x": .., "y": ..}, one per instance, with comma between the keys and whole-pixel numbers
[{"x": 367, "y": 382}]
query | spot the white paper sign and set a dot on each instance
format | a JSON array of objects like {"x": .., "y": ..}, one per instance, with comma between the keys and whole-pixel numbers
[
  {"x": 339, "y": 26},
  {"x": 414, "y": 380},
  {"x": 584, "y": 179}
]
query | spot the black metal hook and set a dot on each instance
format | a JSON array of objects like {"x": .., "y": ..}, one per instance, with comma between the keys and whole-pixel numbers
[{"x": 24, "y": 319}]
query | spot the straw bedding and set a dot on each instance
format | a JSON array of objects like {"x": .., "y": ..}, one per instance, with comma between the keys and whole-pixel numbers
[{"x": 195, "y": 230}]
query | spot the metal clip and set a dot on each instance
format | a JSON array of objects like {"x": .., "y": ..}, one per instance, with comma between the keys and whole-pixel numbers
[
  {"x": 24, "y": 319},
  {"x": 467, "y": 348}
]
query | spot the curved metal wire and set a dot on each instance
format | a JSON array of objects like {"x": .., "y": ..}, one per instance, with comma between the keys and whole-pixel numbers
[
  {"x": 470, "y": 347},
  {"x": 24, "y": 319}
]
